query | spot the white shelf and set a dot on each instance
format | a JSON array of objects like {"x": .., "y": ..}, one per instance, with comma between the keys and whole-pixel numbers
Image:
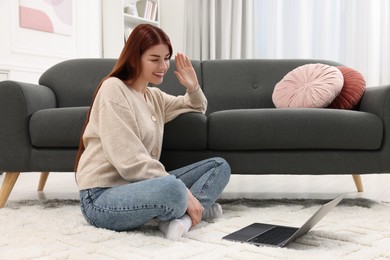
[
  {"x": 117, "y": 25},
  {"x": 132, "y": 19}
]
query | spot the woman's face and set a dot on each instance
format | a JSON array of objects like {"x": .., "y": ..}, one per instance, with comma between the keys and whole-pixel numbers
[{"x": 154, "y": 64}]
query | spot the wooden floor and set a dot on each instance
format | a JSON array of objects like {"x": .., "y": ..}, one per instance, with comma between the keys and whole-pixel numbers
[{"x": 376, "y": 187}]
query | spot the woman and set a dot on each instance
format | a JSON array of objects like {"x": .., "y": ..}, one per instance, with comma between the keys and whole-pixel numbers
[{"x": 122, "y": 183}]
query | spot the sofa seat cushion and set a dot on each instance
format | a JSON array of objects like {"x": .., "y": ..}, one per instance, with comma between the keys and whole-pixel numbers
[
  {"x": 186, "y": 132},
  {"x": 61, "y": 127},
  {"x": 294, "y": 128},
  {"x": 57, "y": 127}
]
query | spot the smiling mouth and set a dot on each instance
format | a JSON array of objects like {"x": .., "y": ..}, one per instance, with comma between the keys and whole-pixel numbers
[{"x": 159, "y": 74}]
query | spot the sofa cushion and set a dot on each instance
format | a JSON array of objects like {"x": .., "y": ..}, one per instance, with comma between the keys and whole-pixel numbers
[
  {"x": 352, "y": 91},
  {"x": 57, "y": 127},
  {"x": 61, "y": 127},
  {"x": 308, "y": 86},
  {"x": 238, "y": 84},
  {"x": 186, "y": 132},
  {"x": 74, "y": 81},
  {"x": 308, "y": 128}
]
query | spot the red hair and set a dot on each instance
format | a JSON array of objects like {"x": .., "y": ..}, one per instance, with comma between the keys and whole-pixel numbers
[{"x": 128, "y": 67}]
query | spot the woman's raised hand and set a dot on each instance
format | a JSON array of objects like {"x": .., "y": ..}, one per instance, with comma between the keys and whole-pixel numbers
[{"x": 185, "y": 73}]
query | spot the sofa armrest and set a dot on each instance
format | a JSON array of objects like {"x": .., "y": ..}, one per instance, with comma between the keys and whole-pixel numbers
[
  {"x": 376, "y": 100},
  {"x": 18, "y": 101}
]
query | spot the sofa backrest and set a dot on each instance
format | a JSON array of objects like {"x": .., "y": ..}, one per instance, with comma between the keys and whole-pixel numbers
[
  {"x": 227, "y": 84},
  {"x": 74, "y": 81},
  {"x": 244, "y": 84}
]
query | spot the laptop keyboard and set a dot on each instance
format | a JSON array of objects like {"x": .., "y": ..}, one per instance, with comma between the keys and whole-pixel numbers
[{"x": 274, "y": 236}]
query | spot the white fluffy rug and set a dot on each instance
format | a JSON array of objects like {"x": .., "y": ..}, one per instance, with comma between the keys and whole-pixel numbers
[{"x": 355, "y": 229}]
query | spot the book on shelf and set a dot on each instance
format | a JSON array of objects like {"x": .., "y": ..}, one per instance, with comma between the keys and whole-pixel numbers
[{"x": 151, "y": 10}]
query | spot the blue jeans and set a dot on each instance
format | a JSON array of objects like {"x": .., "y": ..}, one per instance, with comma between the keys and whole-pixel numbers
[{"x": 130, "y": 206}]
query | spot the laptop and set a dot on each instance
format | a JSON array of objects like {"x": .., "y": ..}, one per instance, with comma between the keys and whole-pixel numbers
[{"x": 262, "y": 234}]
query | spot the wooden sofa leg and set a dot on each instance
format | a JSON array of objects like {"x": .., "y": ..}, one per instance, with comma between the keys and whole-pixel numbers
[
  {"x": 358, "y": 182},
  {"x": 9, "y": 181},
  {"x": 42, "y": 180}
]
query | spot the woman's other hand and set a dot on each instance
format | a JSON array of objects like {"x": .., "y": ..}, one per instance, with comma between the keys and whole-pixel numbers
[
  {"x": 185, "y": 73},
  {"x": 194, "y": 209}
]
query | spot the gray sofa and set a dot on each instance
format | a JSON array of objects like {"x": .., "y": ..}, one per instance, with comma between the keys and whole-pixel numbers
[{"x": 41, "y": 124}]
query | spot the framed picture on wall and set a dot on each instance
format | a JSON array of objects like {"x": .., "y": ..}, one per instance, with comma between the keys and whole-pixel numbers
[
  {"x": 46, "y": 28},
  {"x": 67, "y": 29},
  {"x": 52, "y": 16}
]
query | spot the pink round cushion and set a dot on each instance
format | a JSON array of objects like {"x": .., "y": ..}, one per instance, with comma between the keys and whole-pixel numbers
[
  {"x": 308, "y": 86},
  {"x": 352, "y": 91}
]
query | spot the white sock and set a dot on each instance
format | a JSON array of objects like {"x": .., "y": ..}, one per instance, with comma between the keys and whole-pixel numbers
[
  {"x": 215, "y": 211},
  {"x": 177, "y": 228}
]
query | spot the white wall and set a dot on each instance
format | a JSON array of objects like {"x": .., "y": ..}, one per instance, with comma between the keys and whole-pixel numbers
[{"x": 25, "y": 54}]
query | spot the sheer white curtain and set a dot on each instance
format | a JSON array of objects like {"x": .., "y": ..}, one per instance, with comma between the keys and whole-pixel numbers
[
  {"x": 353, "y": 32},
  {"x": 219, "y": 29}
]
